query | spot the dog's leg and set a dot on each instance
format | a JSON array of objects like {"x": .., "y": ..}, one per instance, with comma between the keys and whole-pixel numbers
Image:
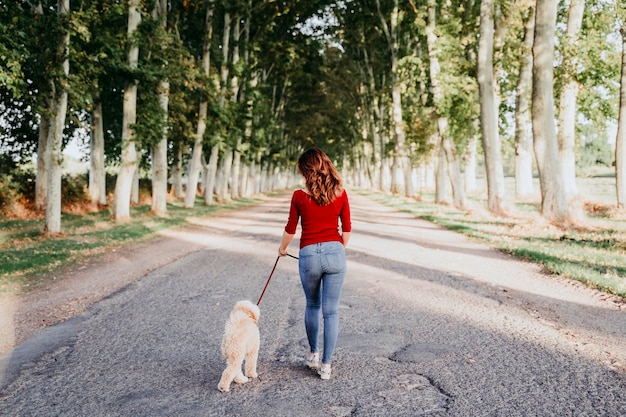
[
  {"x": 240, "y": 378},
  {"x": 225, "y": 380},
  {"x": 232, "y": 372},
  {"x": 251, "y": 362}
]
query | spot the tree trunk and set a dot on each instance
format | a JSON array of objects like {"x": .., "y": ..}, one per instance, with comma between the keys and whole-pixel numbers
[
  {"x": 41, "y": 181},
  {"x": 41, "y": 184},
  {"x": 159, "y": 151},
  {"x": 620, "y": 141},
  {"x": 401, "y": 160},
  {"x": 159, "y": 157},
  {"x": 235, "y": 83},
  {"x": 212, "y": 174},
  {"x": 553, "y": 199},
  {"x": 55, "y": 135},
  {"x": 441, "y": 179},
  {"x": 374, "y": 120},
  {"x": 224, "y": 72},
  {"x": 227, "y": 168},
  {"x": 470, "y": 166},
  {"x": 489, "y": 111},
  {"x": 447, "y": 146},
  {"x": 569, "y": 94},
  {"x": 195, "y": 163},
  {"x": 523, "y": 124},
  {"x": 97, "y": 173},
  {"x": 454, "y": 169},
  {"x": 177, "y": 174},
  {"x": 128, "y": 163},
  {"x": 134, "y": 190}
]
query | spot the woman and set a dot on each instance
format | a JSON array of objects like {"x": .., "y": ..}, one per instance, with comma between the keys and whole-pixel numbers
[{"x": 322, "y": 260}]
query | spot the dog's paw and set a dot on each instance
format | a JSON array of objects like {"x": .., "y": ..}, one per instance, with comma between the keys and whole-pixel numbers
[
  {"x": 252, "y": 374},
  {"x": 241, "y": 379},
  {"x": 223, "y": 387}
]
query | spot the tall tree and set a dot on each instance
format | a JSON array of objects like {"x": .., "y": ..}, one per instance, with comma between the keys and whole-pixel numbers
[
  {"x": 129, "y": 162},
  {"x": 41, "y": 184},
  {"x": 568, "y": 97},
  {"x": 97, "y": 173},
  {"x": 54, "y": 149},
  {"x": 159, "y": 150},
  {"x": 620, "y": 142},
  {"x": 401, "y": 161},
  {"x": 554, "y": 205},
  {"x": 195, "y": 163},
  {"x": 448, "y": 148},
  {"x": 489, "y": 110},
  {"x": 523, "y": 123}
]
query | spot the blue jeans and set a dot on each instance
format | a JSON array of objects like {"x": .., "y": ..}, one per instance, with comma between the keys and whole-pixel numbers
[{"x": 322, "y": 272}]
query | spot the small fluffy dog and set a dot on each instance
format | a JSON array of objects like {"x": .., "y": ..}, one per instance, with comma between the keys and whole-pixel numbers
[{"x": 241, "y": 341}]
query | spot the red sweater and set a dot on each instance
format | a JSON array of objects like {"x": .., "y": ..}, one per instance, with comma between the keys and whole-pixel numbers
[{"x": 319, "y": 223}]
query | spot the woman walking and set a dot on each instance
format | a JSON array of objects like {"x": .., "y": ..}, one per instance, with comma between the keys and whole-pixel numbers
[{"x": 322, "y": 262}]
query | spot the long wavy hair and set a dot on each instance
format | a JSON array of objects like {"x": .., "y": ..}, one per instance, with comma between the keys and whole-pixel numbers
[{"x": 321, "y": 178}]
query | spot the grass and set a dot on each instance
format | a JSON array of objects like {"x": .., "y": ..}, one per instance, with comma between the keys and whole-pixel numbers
[
  {"x": 593, "y": 253},
  {"x": 29, "y": 259}
]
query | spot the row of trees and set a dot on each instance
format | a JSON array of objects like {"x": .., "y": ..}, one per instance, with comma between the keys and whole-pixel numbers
[
  {"x": 540, "y": 74},
  {"x": 231, "y": 91}
]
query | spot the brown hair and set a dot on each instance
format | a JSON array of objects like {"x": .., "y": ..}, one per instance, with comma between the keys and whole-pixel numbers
[{"x": 321, "y": 178}]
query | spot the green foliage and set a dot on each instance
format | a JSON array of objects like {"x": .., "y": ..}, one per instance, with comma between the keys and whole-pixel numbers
[
  {"x": 74, "y": 189},
  {"x": 600, "y": 61},
  {"x": 596, "y": 151},
  {"x": 8, "y": 192},
  {"x": 311, "y": 86}
]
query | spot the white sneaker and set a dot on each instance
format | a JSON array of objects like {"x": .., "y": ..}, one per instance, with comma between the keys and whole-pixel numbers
[
  {"x": 324, "y": 371},
  {"x": 313, "y": 360}
]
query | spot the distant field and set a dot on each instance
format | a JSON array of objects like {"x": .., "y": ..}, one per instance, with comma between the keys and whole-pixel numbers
[{"x": 597, "y": 189}]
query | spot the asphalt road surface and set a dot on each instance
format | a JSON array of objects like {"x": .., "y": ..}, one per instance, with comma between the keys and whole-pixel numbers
[{"x": 431, "y": 324}]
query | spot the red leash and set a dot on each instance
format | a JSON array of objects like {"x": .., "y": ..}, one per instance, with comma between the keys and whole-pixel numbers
[{"x": 270, "y": 277}]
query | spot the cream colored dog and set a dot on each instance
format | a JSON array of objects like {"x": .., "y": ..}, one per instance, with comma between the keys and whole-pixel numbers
[{"x": 241, "y": 341}]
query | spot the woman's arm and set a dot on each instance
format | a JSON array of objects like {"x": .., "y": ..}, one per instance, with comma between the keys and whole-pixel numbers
[
  {"x": 345, "y": 236},
  {"x": 287, "y": 238}
]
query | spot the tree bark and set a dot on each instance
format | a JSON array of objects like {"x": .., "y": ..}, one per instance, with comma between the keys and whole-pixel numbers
[
  {"x": 97, "y": 173},
  {"x": 523, "y": 123},
  {"x": 128, "y": 163},
  {"x": 55, "y": 134},
  {"x": 620, "y": 141},
  {"x": 159, "y": 157},
  {"x": 159, "y": 151},
  {"x": 441, "y": 179},
  {"x": 41, "y": 184},
  {"x": 215, "y": 153},
  {"x": 195, "y": 163},
  {"x": 177, "y": 174},
  {"x": 470, "y": 166},
  {"x": 489, "y": 111},
  {"x": 569, "y": 94},
  {"x": 235, "y": 83},
  {"x": 227, "y": 168},
  {"x": 553, "y": 199}
]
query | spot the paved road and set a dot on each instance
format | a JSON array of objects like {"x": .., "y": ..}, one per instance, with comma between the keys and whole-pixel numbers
[{"x": 432, "y": 324}]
